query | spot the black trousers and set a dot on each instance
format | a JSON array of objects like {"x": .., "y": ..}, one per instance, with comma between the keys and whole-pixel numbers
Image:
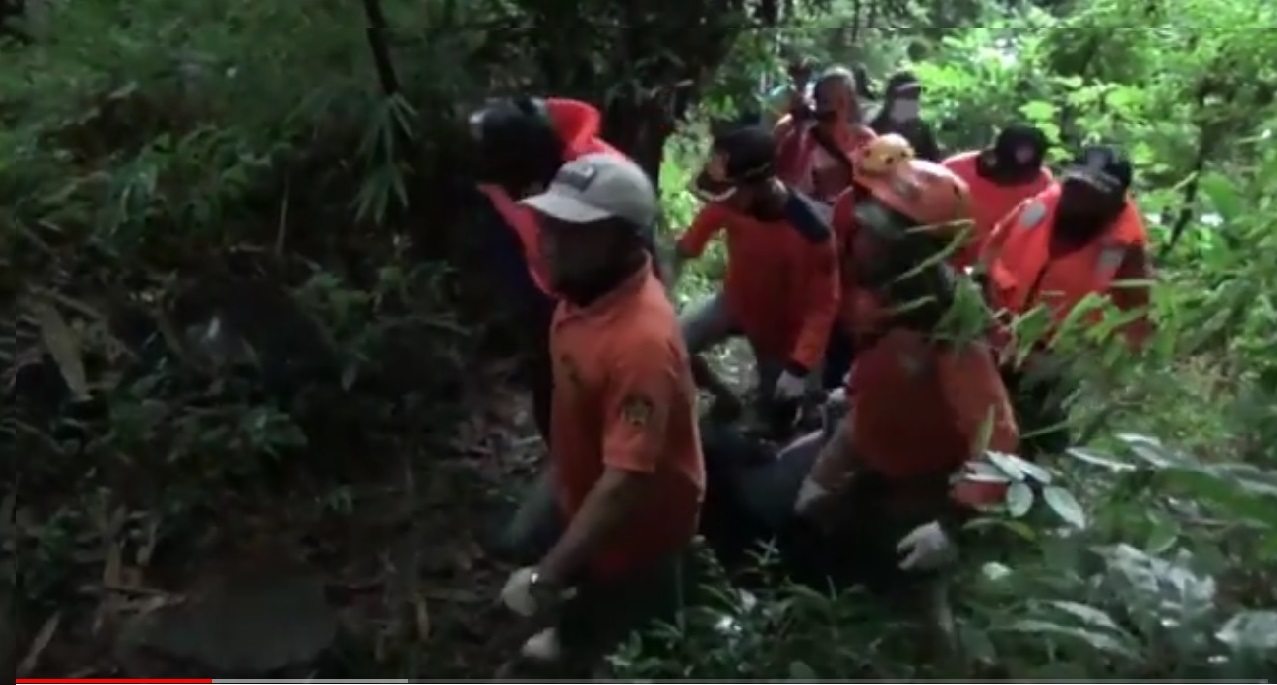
[
  {"x": 509, "y": 263},
  {"x": 838, "y": 357},
  {"x": 540, "y": 371},
  {"x": 1040, "y": 403}
]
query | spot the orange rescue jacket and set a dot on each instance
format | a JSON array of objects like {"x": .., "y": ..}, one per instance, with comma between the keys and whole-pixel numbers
[
  {"x": 781, "y": 286},
  {"x": 1023, "y": 272},
  {"x": 990, "y": 201}
]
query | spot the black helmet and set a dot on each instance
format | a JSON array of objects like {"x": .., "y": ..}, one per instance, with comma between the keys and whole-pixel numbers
[{"x": 516, "y": 142}]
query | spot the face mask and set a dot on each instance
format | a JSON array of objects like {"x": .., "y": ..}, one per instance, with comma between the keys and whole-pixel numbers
[
  {"x": 904, "y": 110},
  {"x": 1083, "y": 210}
]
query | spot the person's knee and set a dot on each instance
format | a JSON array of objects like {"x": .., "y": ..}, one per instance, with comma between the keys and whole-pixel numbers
[
  {"x": 705, "y": 325},
  {"x": 696, "y": 331}
]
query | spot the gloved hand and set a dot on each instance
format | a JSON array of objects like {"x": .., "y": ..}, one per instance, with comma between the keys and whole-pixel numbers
[
  {"x": 544, "y": 647},
  {"x": 526, "y": 593},
  {"x": 790, "y": 386},
  {"x": 926, "y": 548},
  {"x": 810, "y": 493}
]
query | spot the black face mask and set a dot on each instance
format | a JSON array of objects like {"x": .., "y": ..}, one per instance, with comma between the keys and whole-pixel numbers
[
  {"x": 1084, "y": 211},
  {"x": 1003, "y": 164}
]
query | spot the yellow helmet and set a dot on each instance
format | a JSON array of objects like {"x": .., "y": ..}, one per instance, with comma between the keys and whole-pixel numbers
[{"x": 884, "y": 155}]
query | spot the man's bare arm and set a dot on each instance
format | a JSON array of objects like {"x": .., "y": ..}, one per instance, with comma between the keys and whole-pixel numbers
[{"x": 608, "y": 506}]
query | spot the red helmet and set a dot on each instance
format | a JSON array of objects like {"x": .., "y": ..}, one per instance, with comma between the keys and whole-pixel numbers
[{"x": 926, "y": 192}]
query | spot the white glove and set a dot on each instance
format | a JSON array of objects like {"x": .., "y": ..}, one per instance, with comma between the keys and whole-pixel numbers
[
  {"x": 543, "y": 647},
  {"x": 926, "y": 548},
  {"x": 789, "y": 386},
  {"x": 807, "y": 494},
  {"x": 517, "y": 594}
]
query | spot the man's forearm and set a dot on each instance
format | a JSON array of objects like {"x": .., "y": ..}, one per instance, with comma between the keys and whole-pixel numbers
[{"x": 605, "y": 511}]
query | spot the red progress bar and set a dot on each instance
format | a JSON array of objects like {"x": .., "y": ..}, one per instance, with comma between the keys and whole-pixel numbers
[{"x": 52, "y": 680}]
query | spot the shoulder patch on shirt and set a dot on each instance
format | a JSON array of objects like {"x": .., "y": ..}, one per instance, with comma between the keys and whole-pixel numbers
[
  {"x": 1033, "y": 214},
  {"x": 802, "y": 213},
  {"x": 1110, "y": 259},
  {"x": 636, "y": 410}
]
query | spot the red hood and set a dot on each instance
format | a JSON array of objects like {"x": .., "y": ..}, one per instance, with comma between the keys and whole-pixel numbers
[{"x": 578, "y": 124}]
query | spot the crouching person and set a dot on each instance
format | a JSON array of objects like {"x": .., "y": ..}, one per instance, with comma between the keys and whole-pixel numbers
[
  {"x": 780, "y": 291},
  {"x": 627, "y": 474},
  {"x": 926, "y": 400}
]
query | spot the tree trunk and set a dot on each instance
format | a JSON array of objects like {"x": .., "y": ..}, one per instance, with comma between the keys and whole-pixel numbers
[{"x": 640, "y": 132}]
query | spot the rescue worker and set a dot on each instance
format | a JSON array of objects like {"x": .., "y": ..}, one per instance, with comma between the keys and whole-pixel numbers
[
  {"x": 813, "y": 156},
  {"x": 628, "y": 474},
  {"x": 1000, "y": 177},
  {"x": 781, "y": 287},
  {"x": 1083, "y": 235},
  {"x": 521, "y": 143},
  {"x": 900, "y": 113},
  {"x": 922, "y": 398}
]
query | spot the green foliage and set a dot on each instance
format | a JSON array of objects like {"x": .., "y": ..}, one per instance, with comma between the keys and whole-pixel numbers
[
  {"x": 1159, "y": 563},
  {"x": 154, "y": 158}
]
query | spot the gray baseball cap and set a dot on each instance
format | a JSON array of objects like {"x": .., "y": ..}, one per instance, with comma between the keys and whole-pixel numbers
[{"x": 596, "y": 187}]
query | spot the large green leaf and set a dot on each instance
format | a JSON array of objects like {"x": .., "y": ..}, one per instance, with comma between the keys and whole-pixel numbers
[
  {"x": 1019, "y": 499},
  {"x": 1063, "y": 503},
  {"x": 1250, "y": 631}
]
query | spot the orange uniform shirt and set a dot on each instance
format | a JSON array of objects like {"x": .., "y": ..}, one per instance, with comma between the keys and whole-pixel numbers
[
  {"x": 990, "y": 202},
  {"x": 781, "y": 287},
  {"x": 1024, "y": 270},
  {"x": 922, "y": 410},
  {"x": 624, "y": 399}
]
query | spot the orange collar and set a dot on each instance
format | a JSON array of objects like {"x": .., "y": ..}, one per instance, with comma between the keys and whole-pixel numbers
[{"x": 609, "y": 301}]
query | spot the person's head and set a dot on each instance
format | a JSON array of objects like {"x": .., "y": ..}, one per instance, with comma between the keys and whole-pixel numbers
[
  {"x": 741, "y": 170},
  {"x": 597, "y": 218},
  {"x": 907, "y": 210},
  {"x": 516, "y": 143},
  {"x": 1017, "y": 153},
  {"x": 1093, "y": 192},
  {"x": 903, "y": 97},
  {"x": 835, "y": 98},
  {"x": 800, "y": 70}
]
